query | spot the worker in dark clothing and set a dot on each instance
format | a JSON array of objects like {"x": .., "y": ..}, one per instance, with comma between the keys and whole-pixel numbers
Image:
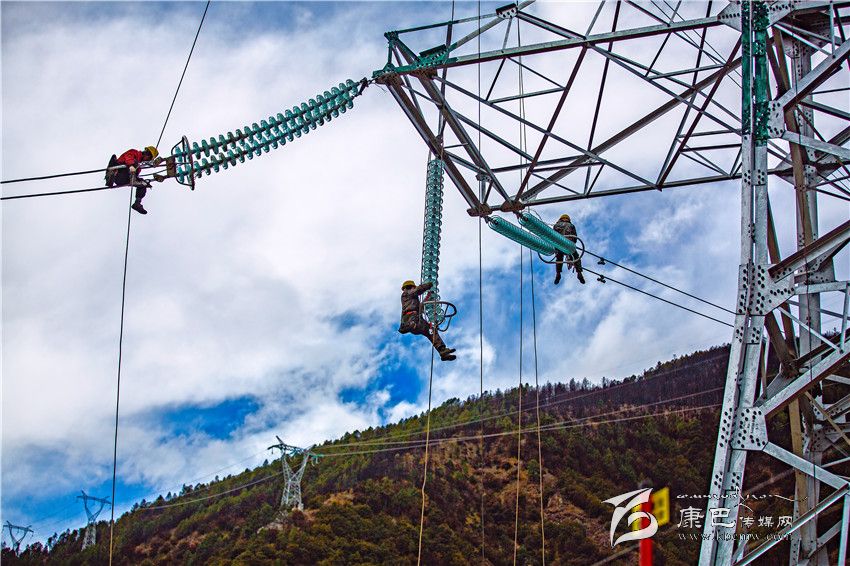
[
  {"x": 413, "y": 322},
  {"x": 131, "y": 159},
  {"x": 565, "y": 228}
]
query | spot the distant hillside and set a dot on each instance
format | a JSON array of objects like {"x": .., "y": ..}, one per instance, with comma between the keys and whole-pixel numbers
[{"x": 362, "y": 499}]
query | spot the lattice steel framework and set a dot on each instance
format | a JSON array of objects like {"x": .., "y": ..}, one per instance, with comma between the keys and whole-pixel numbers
[
  {"x": 757, "y": 93},
  {"x": 17, "y": 534},
  {"x": 92, "y": 515},
  {"x": 291, "y": 497}
]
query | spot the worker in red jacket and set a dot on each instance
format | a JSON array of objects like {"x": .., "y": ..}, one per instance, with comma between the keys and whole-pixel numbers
[{"x": 126, "y": 175}]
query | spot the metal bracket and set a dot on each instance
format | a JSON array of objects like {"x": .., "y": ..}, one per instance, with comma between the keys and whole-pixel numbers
[
  {"x": 731, "y": 14},
  {"x": 507, "y": 12},
  {"x": 751, "y": 430}
]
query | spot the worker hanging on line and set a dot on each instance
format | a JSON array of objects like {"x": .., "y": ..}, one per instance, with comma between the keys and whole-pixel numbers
[
  {"x": 566, "y": 228},
  {"x": 131, "y": 159},
  {"x": 413, "y": 322}
]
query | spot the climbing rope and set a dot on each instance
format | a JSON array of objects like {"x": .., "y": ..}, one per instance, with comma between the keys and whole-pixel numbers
[
  {"x": 523, "y": 143},
  {"x": 537, "y": 412},
  {"x": 427, "y": 441},
  {"x": 118, "y": 384},
  {"x": 480, "y": 300},
  {"x": 519, "y": 412}
]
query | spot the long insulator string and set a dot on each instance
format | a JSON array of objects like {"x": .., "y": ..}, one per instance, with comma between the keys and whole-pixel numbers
[
  {"x": 432, "y": 228},
  {"x": 254, "y": 140}
]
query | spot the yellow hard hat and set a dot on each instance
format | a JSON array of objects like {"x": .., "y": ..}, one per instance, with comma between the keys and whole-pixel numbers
[
  {"x": 565, "y": 217},
  {"x": 407, "y": 284},
  {"x": 153, "y": 151}
]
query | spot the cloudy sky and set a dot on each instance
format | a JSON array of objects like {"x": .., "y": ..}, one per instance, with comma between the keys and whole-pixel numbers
[{"x": 266, "y": 302}]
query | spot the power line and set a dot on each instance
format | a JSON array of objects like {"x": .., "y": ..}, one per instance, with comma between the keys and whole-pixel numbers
[
  {"x": 56, "y": 176},
  {"x": 604, "y": 278},
  {"x": 552, "y": 426},
  {"x": 563, "y": 425},
  {"x": 390, "y": 439},
  {"x": 214, "y": 495},
  {"x": 61, "y": 193},
  {"x": 189, "y": 58},
  {"x": 700, "y": 299}
]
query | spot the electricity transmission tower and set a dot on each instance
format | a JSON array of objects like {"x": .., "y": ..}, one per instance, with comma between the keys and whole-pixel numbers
[
  {"x": 541, "y": 104},
  {"x": 291, "y": 497},
  {"x": 91, "y": 526},
  {"x": 17, "y": 534}
]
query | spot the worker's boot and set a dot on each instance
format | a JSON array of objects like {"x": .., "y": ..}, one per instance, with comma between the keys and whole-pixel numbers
[
  {"x": 580, "y": 277},
  {"x": 557, "y": 277},
  {"x": 446, "y": 354},
  {"x": 137, "y": 206}
]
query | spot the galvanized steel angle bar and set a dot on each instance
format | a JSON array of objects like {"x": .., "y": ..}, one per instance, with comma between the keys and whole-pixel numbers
[
  {"x": 432, "y": 142},
  {"x": 671, "y": 158},
  {"x": 812, "y": 143},
  {"x": 808, "y": 468},
  {"x": 700, "y": 159},
  {"x": 623, "y": 35},
  {"x": 814, "y": 78},
  {"x": 632, "y": 66},
  {"x": 778, "y": 399},
  {"x": 460, "y": 133},
  {"x": 680, "y": 35},
  {"x": 812, "y": 514},
  {"x": 493, "y": 136},
  {"x": 555, "y": 113},
  {"x": 693, "y": 181},
  {"x": 820, "y": 250},
  {"x": 585, "y": 153},
  {"x": 632, "y": 128}
]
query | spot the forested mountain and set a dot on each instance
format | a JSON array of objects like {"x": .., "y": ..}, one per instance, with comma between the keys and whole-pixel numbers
[{"x": 362, "y": 498}]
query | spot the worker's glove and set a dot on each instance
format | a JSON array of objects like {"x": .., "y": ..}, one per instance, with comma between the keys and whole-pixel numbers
[
  {"x": 159, "y": 178},
  {"x": 132, "y": 169},
  {"x": 158, "y": 160}
]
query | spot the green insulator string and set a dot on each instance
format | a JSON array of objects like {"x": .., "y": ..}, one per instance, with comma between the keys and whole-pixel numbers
[
  {"x": 520, "y": 236},
  {"x": 214, "y": 154},
  {"x": 547, "y": 233},
  {"x": 431, "y": 238}
]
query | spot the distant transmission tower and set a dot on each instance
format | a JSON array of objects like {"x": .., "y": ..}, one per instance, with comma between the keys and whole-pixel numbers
[
  {"x": 291, "y": 497},
  {"x": 17, "y": 534},
  {"x": 91, "y": 527}
]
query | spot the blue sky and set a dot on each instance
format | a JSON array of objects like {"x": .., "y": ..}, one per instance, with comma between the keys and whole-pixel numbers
[{"x": 266, "y": 302}]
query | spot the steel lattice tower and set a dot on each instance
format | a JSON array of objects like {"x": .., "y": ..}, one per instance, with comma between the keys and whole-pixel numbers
[
  {"x": 753, "y": 93},
  {"x": 291, "y": 497},
  {"x": 91, "y": 515},
  {"x": 17, "y": 534}
]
